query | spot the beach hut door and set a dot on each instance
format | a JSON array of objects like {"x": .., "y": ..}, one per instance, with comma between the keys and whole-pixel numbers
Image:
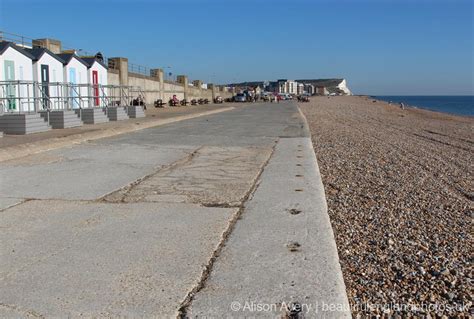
[
  {"x": 10, "y": 76},
  {"x": 73, "y": 90},
  {"x": 45, "y": 85},
  {"x": 95, "y": 83}
]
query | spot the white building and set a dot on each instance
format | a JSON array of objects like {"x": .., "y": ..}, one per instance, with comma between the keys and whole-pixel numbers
[
  {"x": 76, "y": 75},
  {"x": 309, "y": 89},
  {"x": 97, "y": 77},
  {"x": 300, "y": 88},
  {"x": 287, "y": 86},
  {"x": 48, "y": 72},
  {"x": 15, "y": 65}
]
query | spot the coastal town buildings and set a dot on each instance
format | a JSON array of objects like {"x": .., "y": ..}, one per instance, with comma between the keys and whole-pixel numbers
[
  {"x": 298, "y": 87},
  {"x": 288, "y": 86}
]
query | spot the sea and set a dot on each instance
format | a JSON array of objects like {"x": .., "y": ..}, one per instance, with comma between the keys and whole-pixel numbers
[{"x": 459, "y": 105}]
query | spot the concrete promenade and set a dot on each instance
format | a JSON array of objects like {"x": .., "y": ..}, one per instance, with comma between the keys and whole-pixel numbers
[{"x": 223, "y": 215}]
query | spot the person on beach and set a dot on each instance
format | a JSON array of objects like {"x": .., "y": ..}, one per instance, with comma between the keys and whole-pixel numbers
[{"x": 402, "y": 106}]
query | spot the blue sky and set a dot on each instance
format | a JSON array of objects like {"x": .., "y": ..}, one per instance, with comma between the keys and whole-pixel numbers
[{"x": 384, "y": 47}]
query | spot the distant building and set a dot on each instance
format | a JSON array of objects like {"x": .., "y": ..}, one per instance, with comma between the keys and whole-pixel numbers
[
  {"x": 287, "y": 86},
  {"x": 321, "y": 90},
  {"x": 300, "y": 89},
  {"x": 309, "y": 89}
]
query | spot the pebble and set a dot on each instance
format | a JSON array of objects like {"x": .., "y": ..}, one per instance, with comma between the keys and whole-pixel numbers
[{"x": 399, "y": 193}]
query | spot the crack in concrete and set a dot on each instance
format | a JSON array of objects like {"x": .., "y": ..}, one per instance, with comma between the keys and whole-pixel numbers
[
  {"x": 210, "y": 177},
  {"x": 124, "y": 191},
  {"x": 22, "y": 201},
  {"x": 184, "y": 306}
]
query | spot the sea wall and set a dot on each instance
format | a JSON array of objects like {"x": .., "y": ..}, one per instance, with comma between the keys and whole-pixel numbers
[{"x": 154, "y": 86}]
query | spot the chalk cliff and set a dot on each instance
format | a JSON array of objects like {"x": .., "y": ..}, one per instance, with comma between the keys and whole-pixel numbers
[{"x": 338, "y": 86}]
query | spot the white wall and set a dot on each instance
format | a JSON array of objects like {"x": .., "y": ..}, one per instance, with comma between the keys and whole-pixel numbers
[
  {"x": 23, "y": 65},
  {"x": 23, "y": 72},
  {"x": 56, "y": 74}
]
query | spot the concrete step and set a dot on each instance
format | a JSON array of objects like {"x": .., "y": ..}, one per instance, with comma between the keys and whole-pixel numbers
[
  {"x": 20, "y": 124},
  {"x": 62, "y": 119},
  {"x": 93, "y": 115},
  {"x": 117, "y": 113},
  {"x": 135, "y": 111}
]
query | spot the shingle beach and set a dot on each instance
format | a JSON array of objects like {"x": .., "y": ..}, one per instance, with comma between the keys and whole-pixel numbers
[{"x": 399, "y": 186}]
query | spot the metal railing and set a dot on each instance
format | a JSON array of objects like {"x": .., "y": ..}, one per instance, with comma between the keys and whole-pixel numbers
[
  {"x": 33, "y": 97},
  {"x": 16, "y": 38},
  {"x": 24, "y": 97},
  {"x": 139, "y": 69}
]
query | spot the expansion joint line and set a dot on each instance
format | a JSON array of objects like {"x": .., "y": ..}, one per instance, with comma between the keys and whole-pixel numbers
[
  {"x": 186, "y": 303},
  {"x": 128, "y": 188}
]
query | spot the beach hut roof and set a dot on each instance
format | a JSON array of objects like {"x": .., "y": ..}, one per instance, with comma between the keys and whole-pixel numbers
[
  {"x": 67, "y": 57},
  {"x": 4, "y": 45},
  {"x": 90, "y": 61},
  {"x": 37, "y": 53}
]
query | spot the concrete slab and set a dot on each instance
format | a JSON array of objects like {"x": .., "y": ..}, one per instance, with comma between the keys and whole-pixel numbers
[
  {"x": 282, "y": 250},
  {"x": 213, "y": 176},
  {"x": 71, "y": 259},
  {"x": 83, "y": 172}
]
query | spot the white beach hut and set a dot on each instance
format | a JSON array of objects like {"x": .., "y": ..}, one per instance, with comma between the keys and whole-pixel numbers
[
  {"x": 48, "y": 72},
  {"x": 97, "y": 77},
  {"x": 76, "y": 76},
  {"x": 17, "y": 107},
  {"x": 15, "y": 65}
]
